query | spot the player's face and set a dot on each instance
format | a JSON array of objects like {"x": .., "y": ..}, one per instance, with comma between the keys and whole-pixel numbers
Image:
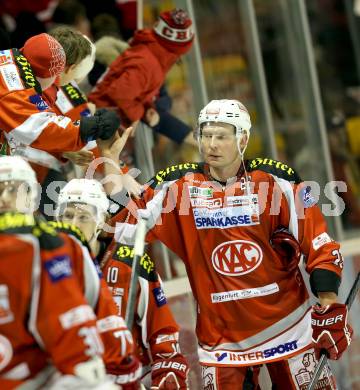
[
  {"x": 218, "y": 144},
  {"x": 14, "y": 196},
  {"x": 82, "y": 216},
  {"x": 67, "y": 75},
  {"x": 46, "y": 83}
]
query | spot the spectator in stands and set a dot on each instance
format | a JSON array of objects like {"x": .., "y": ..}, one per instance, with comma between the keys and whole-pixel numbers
[
  {"x": 72, "y": 13},
  {"x": 134, "y": 79}
]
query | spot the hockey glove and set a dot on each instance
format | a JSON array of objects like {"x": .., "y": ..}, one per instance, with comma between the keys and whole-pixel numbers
[
  {"x": 331, "y": 331},
  {"x": 127, "y": 374},
  {"x": 285, "y": 244},
  {"x": 169, "y": 374},
  {"x": 102, "y": 125}
]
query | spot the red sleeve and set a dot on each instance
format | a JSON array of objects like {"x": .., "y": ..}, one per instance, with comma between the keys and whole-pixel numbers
[
  {"x": 162, "y": 330},
  {"x": 26, "y": 119},
  {"x": 320, "y": 250},
  {"x": 116, "y": 337},
  {"x": 303, "y": 217},
  {"x": 159, "y": 206},
  {"x": 126, "y": 91}
]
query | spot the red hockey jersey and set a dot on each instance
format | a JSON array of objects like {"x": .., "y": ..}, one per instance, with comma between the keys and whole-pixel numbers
[
  {"x": 155, "y": 330},
  {"x": 117, "y": 340},
  {"x": 252, "y": 305},
  {"x": 41, "y": 302}
]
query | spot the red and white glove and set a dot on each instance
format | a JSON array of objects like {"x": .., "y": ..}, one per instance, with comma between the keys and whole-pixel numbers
[
  {"x": 169, "y": 374},
  {"x": 331, "y": 331},
  {"x": 127, "y": 374}
]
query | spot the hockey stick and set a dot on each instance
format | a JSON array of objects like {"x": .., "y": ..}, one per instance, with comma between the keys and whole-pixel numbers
[
  {"x": 323, "y": 360},
  {"x": 138, "y": 254}
]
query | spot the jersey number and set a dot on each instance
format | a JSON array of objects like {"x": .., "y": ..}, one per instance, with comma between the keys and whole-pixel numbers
[{"x": 112, "y": 275}]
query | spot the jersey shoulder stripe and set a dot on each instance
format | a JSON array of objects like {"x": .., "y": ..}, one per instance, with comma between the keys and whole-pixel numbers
[
  {"x": 274, "y": 167},
  {"x": 26, "y": 73},
  {"x": 18, "y": 223},
  {"x": 175, "y": 172},
  {"x": 125, "y": 254},
  {"x": 74, "y": 94},
  {"x": 67, "y": 228}
]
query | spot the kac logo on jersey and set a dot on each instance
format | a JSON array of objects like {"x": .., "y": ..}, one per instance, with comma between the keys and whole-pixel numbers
[
  {"x": 39, "y": 102},
  {"x": 58, "y": 268},
  {"x": 159, "y": 296},
  {"x": 235, "y": 258}
]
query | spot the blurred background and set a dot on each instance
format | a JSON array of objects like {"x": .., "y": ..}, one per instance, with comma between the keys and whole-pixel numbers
[{"x": 295, "y": 64}]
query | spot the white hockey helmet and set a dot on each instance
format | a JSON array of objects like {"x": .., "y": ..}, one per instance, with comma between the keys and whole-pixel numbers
[
  {"x": 15, "y": 168},
  {"x": 85, "y": 191},
  {"x": 227, "y": 111}
]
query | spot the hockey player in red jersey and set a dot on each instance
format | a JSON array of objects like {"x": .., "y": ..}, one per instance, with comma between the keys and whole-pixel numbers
[
  {"x": 121, "y": 364},
  {"x": 240, "y": 227},
  {"x": 37, "y": 336},
  {"x": 83, "y": 203}
]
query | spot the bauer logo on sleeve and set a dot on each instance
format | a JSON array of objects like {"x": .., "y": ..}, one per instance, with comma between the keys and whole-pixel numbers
[
  {"x": 159, "y": 296},
  {"x": 58, "y": 268}
]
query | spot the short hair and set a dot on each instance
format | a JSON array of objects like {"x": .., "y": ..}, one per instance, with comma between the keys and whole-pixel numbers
[{"x": 76, "y": 45}]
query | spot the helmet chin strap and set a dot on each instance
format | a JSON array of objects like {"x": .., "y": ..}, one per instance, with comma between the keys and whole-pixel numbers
[
  {"x": 97, "y": 230},
  {"x": 94, "y": 237},
  {"x": 241, "y": 152}
]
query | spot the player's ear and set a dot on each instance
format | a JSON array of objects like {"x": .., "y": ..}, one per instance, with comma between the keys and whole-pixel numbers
[{"x": 243, "y": 140}]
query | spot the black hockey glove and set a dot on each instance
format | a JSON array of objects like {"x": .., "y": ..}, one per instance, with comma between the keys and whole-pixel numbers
[{"x": 102, "y": 125}]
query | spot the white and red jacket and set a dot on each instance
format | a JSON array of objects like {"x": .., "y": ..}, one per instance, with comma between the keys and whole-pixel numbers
[
  {"x": 28, "y": 125},
  {"x": 252, "y": 306}
]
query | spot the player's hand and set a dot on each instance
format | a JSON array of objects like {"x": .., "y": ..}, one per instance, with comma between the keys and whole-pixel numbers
[
  {"x": 82, "y": 157},
  {"x": 132, "y": 187},
  {"x": 169, "y": 374},
  {"x": 112, "y": 147},
  {"x": 331, "y": 331},
  {"x": 102, "y": 125},
  {"x": 91, "y": 107},
  {"x": 127, "y": 374},
  {"x": 152, "y": 117}
]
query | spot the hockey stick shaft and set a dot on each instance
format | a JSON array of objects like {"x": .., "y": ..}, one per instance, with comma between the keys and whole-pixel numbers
[
  {"x": 138, "y": 254},
  {"x": 323, "y": 360}
]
